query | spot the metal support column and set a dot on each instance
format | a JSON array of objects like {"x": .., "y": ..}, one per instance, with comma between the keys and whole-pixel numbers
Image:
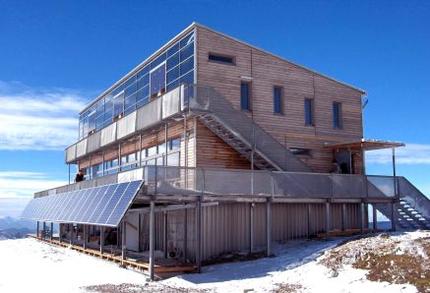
[
  {"x": 165, "y": 233},
  {"x": 269, "y": 227},
  {"x": 166, "y": 148},
  {"x": 393, "y": 156},
  {"x": 51, "y": 231},
  {"x": 72, "y": 232},
  {"x": 308, "y": 207},
  {"x": 84, "y": 240},
  {"x": 362, "y": 217},
  {"x": 102, "y": 238},
  {"x": 123, "y": 245},
  {"x": 185, "y": 234},
  {"x": 37, "y": 229},
  {"x": 151, "y": 239},
  {"x": 374, "y": 218},
  {"x": 251, "y": 227},
  {"x": 327, "y": 218},
  {"x": 60, "y": 232},
  {"x": 44, "y": 230},
  {"x": 343, "y": 217},
  {"x": 199, "y": 234},
  {"x": 393, "y": 216}
]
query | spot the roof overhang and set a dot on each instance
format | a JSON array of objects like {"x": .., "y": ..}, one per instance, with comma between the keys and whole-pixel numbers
[{"x": 365, "y": 144}]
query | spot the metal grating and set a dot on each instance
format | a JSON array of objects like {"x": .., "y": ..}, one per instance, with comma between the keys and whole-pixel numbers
[{"x": 104, "y": 205}]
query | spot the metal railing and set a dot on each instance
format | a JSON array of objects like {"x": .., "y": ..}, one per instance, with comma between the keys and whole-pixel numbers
[{"x": 166, "y": 180}]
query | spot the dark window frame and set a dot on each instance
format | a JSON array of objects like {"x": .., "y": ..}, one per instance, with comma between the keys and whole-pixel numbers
[
  {"x": 279, "y": 111},
  {"x": 221, "y": 58},
  {"x": 245, "y": 103},
  {"x": 309, "y": 112},
  {"x": 337, "y": 117}
]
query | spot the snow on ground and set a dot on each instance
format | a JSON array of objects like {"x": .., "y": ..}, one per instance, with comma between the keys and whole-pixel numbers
[{"x": 30, "y": 266}]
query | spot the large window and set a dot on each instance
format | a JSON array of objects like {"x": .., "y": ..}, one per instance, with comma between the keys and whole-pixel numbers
[
  {"x": 171, "y": 68},
  {"x": 337, "y": 115},
  {"x": 309, "y": 112},
  {"x": 245, "y": 95},
  {"x": 277, "y": 100}
]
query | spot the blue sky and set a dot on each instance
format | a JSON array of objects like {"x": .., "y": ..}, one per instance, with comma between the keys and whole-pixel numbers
[{"x": 57, "y": 55}]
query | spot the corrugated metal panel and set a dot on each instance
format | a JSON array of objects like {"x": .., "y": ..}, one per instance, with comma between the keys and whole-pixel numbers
[
  {"x": 171, "y": 103},
  {"x": 94, "y": 141},
  {"x": 71, "y": 153},
  {"x": 126, "y": 125},
  {"x": 149, "y": 115},
  {"x": 108, "y": 134},
  {"x": 81, "y": 148}
]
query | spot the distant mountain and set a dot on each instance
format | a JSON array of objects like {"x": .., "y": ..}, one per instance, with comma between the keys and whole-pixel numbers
[{"x": 12, "y": 228}]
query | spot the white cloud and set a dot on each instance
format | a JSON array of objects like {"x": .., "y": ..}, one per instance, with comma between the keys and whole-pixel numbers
[
  {"x": 38, "y": 119},
  {"x": 411, "y": 154},
  {"x": 19, "y": 184}
]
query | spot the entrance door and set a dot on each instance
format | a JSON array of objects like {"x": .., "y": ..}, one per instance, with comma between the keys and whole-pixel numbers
[
  {"x": 343, "y": 159},
  {"x": 158, "y": 80}
]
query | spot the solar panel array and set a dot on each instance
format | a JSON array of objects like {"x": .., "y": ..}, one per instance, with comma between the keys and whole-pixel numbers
[{"x": 103, "y": 205}]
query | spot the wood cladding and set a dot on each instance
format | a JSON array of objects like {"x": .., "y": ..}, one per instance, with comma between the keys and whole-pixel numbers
[{"x": 266, "y": 71}]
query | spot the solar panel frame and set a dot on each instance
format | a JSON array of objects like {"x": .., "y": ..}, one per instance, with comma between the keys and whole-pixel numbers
[{"x": 94, "y": 206}]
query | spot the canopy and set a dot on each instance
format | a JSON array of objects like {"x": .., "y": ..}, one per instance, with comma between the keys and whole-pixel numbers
[
  {"x": 365, "y": 144},
  {"x": 104, "y": 205}
]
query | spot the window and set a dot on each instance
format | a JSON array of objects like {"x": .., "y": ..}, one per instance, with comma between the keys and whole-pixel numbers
[
  {"x": 158, "y": 80},
  {"x": 309, "y": 112},
  {"x": 277, "y": 100},
  {"x": 300, "y": 151},
  {"x": 245, "y": 95},
  {"x": 337, "y": 115},
  {"x": 221, "y": 59}
]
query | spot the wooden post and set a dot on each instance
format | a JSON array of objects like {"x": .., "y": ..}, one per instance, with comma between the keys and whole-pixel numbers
[
  {"x": 374, "y": 218},
  {"x": 151, "y": 240},
  {"x": 199, "y": 234},
  {"x": 393, "y": 216},
  {"x": 37, "y": 229},
  {"x": 251, "y": 227},
  {"x": 269, "y": 227},
  {"x": 327, "y": 218},
  {"x": 165, "y": 233},
  {"x": 308, "y": 206},
  {"x": 102, "y": 238}
]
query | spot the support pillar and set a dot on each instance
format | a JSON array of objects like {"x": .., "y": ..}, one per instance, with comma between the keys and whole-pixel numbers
[
  {"x": 102, "y": 238},
  {"x": 308, "y": 219},
  {"x": 123, "y": 245},
  {"x": 37, "y": 229},
  {"x": 344, "y": 217},
  {"x": 199, "y": 234},
  {"x": 362, "y": 217},
  {"x": 251, "y": 227},
  {"x": 151, "y": 240},
  {"x": 269, "y": 227},
  {"x": 165, "y": 233},
  {"x": 51, "y": 231},
  {"x": 72, "y": 233},
  {"x": 393, "y": 216},
  {"x": 327, "y": 218},
  {"x": 60, "y": 232},
  {"x": 84, "y": 240},
  {"x": 185, "y": 234},
  {"x": 44, "y": 230},
  {"x": 374, "y": 218}
]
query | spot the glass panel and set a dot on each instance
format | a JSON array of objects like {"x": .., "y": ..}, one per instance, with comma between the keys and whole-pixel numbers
[
  {"x": 244, "y": 96},
  {"x": 187, "y": 66},
  {"x": 173, "y": 159},
  {"x": 172, "y": 61},
  {"x": 308, "y": 112},
  {"x": 187, "y": 40},
  {"x": 277, "y": 100},
  {"x": 186, "y": 52},
  {"x": 151, "y": 151},
  {"x": 158, "y": 61},
  {"x": 173, "y": 74},
  {"x": 118, "y": 105},
  {"x": 188, "y": 79},
  {"x": 158, "y": 82},
  {"x": 173, "y": 50}
]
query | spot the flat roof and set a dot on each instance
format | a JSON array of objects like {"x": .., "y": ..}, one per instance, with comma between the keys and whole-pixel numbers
[
  {"x": 184, "y": 32},
  {"x": 365, "y": 144}
]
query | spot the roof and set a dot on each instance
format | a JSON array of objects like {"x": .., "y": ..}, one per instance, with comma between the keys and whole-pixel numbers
[
  {"x": 365, "y": 144},
  {"x": 184, "y": 32}
]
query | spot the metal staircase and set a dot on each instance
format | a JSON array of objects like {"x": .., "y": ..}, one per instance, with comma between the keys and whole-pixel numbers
[
  {"x": 240, "y": 132},
  {"x": 412, "y": 211}
]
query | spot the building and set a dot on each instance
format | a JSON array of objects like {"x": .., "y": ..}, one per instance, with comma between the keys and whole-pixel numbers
[{"x": 212, "y": 146}]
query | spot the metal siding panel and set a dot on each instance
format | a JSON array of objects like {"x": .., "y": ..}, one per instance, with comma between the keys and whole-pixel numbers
[
  {"x": 108, "y": 134},
  {"x": 149, "y": 114},
  {"x": 171, "y": 103},
  {"x": 126, "y": 125},
  {"x": 81, "y": 148},
  {"x": 71, "y": 153},
  {"x": 94, "y": 141}
]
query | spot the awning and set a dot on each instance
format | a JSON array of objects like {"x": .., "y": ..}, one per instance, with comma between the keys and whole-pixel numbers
[
  {"x": 104, "y": 205},
  {"x": 365, "y": 144}
]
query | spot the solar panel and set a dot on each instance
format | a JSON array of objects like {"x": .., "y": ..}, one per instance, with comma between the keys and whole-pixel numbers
[{"x": 104, "y": 205}]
